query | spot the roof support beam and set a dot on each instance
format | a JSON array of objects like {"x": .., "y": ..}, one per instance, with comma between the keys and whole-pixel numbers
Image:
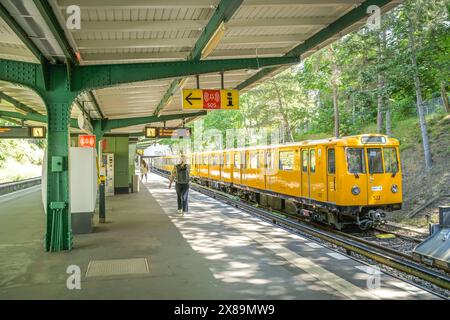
[
  {"x": 92, "y": 77},
  {"x": 164, "y": 4},
  {"x": 12, "y": 23},
  {"x": 110, "y": 124},
  {"x": 96, "y": 105},
  {"x": 17, "y": 104},
  {"x": 223, "y": 13},
  {"x": 165, "y": 25},
  {"x": 52, "y": 21},
  {"x": 331, "y": 31},
  {"x": 33, "y": 117}
]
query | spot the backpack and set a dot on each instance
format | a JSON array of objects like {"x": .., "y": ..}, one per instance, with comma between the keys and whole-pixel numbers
[{"x": 182, "y": 174}]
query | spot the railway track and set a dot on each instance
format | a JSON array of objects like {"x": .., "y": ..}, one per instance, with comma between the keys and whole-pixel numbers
[
  {"x": 9, "y": 187},
  {"x": 351, "y": 244}
]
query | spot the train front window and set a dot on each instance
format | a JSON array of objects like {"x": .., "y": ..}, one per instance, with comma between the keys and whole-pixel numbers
[
  {"x": 375, "y": 160},
  {"x": 390, "y": 160},
  {"x": 355, "y": 160}
]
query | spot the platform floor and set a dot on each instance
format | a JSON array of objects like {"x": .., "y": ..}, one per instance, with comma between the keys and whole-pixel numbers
[{"x": 214, "y": 252}]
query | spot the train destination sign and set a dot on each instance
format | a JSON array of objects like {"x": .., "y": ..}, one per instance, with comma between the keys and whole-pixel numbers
[
  {"x": 210, "y": 99},
  {"x": 165, "y": 132},
  {"x": 15, "y": 132}
]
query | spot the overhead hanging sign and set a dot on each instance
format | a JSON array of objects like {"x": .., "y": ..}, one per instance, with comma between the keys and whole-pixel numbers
[
  {"x": 158, "y": 132},
  {"x": 12, "y": 132},
  {"x": 210, "y": 99},
  {"x": 86, "y": 141}
]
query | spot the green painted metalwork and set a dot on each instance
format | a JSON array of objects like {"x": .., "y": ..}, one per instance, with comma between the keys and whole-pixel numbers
[
  {"x": 169, "y": 93},
  {"x": 47, "y": 13},
  {"x": 36, "y": 117},
  {"x": 96, "y": 105},
  {"x": 223, "y": 13},
  {"x": 83, "y": 110},
  {"x": 101, "y": 76},
  {"x": 332, "y": 30},
  {"x": 121, "y": 123},
  {"x": 19, "y": 123},
  {"x": 17, "y": 104},
  {"x": 4, "y": 14},
  {"x": 84, "y": 78}
]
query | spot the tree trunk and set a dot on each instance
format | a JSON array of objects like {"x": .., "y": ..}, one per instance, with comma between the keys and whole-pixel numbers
[
  {"x": 334, "y": 85},
  {"x": 388, "y": 122},
  {"x": 381, "y": 98},
  {"x": 445, "y": 97},
  {"x": 287, "y": 126},
  {"x": 353, "y": 110},
  {"x": 336, "y": 110},
  {"x": 417, "y": 85}
]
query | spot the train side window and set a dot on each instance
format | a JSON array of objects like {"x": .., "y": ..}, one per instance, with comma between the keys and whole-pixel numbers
[
  {"x": 390, "y": 160},
  {"x": 312, "y": 160},
  {"x": 286, "y": 162},
  {"x": 355, "y": 160},
  {"x": 254, "y": 160},
  {"x": 375, "y": 160},
  {"x": 305, "y": 160},
  {"x": 236, "y": 160},
  {"x": 205, "y": 160},
  {"x": 270, "y": 159},
  {"x": 331, "y": 161}
]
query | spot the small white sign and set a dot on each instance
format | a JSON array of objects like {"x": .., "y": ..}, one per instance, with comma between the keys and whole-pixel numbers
[{"x": 377, "y": 188}]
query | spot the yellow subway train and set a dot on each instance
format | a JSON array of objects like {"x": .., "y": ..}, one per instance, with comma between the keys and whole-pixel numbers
[{"x": 339, "y": 181}]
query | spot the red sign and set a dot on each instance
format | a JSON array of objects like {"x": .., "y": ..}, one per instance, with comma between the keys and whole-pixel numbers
[
  {"x": 211, "y": 99},
  {"x": 86, "y": 141}
]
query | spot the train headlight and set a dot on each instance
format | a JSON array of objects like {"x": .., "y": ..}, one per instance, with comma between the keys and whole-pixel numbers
[
  {"x": 394, "y": 188},
  {"x": 356, "y": 190}
]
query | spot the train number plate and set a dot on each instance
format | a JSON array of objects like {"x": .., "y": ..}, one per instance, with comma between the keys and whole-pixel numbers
[{"x": 377, "y": 188}]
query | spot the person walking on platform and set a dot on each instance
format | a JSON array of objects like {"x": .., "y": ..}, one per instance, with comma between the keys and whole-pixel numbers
[
  {"x": 180, "y": 174},
  {"x": 144, "y": 170}
]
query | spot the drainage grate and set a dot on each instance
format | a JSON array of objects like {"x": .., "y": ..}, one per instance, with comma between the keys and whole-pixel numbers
[{"x": 116, "y": 267}]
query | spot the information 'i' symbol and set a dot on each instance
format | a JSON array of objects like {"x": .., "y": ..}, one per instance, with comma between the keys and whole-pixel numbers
[{"x": 230, "y": 99}]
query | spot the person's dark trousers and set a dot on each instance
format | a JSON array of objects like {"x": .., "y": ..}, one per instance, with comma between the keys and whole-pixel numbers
[{"x": 182, "y": 196}]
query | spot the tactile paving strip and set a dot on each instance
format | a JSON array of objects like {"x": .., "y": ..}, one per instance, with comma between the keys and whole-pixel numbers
[{"x": 116, "y": 267}]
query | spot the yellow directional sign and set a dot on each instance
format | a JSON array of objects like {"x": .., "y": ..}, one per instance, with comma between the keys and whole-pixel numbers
[
  {"x": 193, "y": 99},
  {"x": 210, "y": 99}
]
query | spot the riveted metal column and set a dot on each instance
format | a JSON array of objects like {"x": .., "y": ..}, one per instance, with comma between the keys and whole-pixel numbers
[
  {"x": 58, "y": 101},
  {"x": 59, "y": 232}
]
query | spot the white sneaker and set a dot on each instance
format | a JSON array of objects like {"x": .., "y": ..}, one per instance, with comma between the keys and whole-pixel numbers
[{"x": 180, "y": 211}]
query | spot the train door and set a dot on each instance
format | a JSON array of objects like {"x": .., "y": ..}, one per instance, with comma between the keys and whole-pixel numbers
[
  {"x": 269, "y": 169},
  {"x": 377, "y": 177},
  {"x": 305, "y": 173},
  {"x": 237, "y": 168},
  {"x": 331, "y": 174},
  {"x": 313, "y": 179}
]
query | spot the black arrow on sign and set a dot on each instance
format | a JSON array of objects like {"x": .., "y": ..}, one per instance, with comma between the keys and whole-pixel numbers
[{"x": 188, "y": 98}]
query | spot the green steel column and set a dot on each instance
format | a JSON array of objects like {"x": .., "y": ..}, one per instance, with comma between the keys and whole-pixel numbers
[
  {"x": 58, "y": 101},
  {"x": 59, "y": 232}
]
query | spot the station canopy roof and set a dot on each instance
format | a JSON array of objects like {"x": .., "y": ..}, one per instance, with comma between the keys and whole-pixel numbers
[{"x": 134, "y": 31}]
